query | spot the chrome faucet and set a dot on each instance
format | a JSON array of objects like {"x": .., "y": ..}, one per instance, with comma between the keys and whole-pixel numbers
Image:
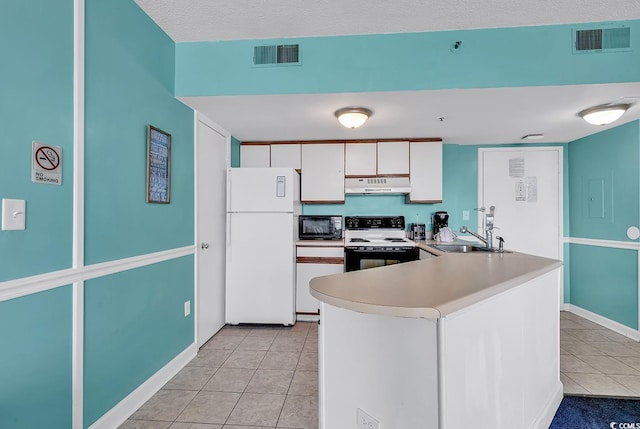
[
  {"x": 464, "y": 229},
  {"x": 488, "y": 229}
]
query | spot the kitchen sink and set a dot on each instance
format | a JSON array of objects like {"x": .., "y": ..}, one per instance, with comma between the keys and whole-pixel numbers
[{"x": 463, "y": 248}]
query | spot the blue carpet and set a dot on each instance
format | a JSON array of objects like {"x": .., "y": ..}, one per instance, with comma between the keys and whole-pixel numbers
[{"x": 577, "y": 412}]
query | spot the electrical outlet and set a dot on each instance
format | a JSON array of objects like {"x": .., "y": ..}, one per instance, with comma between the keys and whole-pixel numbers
[
  {"x": 187, "y": 308},
  {"x": 465, "y": 214},
  {"x": 365, "y": 421}
]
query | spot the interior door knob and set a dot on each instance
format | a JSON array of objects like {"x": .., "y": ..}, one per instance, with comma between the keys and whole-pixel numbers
[{"x": 204, "y": 245}]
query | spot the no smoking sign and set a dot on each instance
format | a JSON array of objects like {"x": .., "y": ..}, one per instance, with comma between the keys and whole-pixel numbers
[{"x": 46, "y": 164}]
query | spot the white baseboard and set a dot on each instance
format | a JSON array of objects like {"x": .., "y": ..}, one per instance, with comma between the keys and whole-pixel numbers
[
  {"x": 600, "y": 320},
  {"x": 121, "y": 412},
  {"x": 548, "y": 413}
]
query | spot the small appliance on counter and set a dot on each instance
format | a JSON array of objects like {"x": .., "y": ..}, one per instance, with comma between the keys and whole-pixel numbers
[
  {"x": 417, "y": 231},
  {"x": 440, "y": 220},
  {"x": 319, "y": 227}
]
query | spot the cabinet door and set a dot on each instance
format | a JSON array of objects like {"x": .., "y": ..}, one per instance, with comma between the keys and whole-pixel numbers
[
  {"x": 323, "y": 173},
  {"x": 313, "y": 262},
  {"x": 426, "y": 172},
  {"x": 360, "y": 159},
  {"x": 393, "y": 158},
  {"x": 256, "y": 156},
  {"x": 285, "y": 155}
]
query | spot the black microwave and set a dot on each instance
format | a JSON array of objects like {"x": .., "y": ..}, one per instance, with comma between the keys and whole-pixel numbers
[{"x": 319, "y": 227}]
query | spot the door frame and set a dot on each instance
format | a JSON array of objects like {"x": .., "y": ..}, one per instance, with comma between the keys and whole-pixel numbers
[
  {"x": 561, "y": 179},
  {"x": 198, "y": 117}
]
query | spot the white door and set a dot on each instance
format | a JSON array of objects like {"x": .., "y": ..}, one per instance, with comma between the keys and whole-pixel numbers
[
  {"x": 211, "y": 167},
  {"x": 525, "y": 186}
]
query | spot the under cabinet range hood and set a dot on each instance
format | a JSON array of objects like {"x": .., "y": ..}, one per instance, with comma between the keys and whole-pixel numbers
[{"x": 377, "y": 185}]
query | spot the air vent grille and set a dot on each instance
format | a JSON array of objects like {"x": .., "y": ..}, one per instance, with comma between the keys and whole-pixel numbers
[
  {"x": 272, "y": 55},
  {"x": 377, "y": 181},
  {"x": 603, "y": 39}
]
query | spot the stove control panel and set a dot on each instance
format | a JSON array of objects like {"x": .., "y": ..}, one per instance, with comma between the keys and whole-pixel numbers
[{"x": 374, "y": 222}]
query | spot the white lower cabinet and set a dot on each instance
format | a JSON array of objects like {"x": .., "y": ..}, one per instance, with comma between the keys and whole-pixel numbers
[{"x": 314, "y": 262}]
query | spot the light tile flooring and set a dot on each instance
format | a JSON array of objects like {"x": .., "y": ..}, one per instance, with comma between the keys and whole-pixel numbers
[
  {"x": 244, "y": 378},
  {"x": 267, "y": 377},
  {"x": 597, "y": 361}
]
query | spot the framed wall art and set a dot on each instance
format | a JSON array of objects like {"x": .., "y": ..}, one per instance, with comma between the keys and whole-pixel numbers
[{"x": 158, "y": 166}]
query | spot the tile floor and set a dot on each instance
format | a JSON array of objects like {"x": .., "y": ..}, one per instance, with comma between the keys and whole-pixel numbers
[
  {"x": 243, "y": 378},
  {"x": 597, "y": 361},
  {"x": 267, "y": 377}
]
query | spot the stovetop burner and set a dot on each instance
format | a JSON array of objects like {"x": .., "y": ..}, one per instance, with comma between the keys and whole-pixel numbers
[{"x": 376, "y": 231}]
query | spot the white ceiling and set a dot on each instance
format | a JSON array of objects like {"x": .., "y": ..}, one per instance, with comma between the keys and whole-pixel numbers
[{"x": 473, "y": 116}]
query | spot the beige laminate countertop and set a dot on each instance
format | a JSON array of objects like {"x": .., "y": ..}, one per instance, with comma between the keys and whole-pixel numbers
[{"x": 430, "y": 288}]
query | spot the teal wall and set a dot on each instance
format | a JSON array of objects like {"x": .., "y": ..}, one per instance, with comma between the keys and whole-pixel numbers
[
  {"x": 36, "y": 83},
  {"x": 489, "y": 58},
  {"x": 604, "y": 182},
  {"x": 235, "y": 152},
  {"x": 604, "y": 196},
  {"x": 134, "y": 325},
  {"x": 134, "y": 319},
  {"x": 35, "y": 361},
  {"x": 605, "y": 281},
  {"x": 129, "y": 85}
]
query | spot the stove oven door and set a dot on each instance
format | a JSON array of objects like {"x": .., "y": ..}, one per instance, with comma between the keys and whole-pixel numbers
[{"x": 360, "y": 258}]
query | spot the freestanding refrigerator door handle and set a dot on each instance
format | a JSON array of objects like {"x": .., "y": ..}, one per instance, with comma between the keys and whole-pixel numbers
[{"x": 204, "y": 245}]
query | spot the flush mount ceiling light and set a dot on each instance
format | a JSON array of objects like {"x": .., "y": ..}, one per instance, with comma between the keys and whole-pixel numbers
[
  {"x": 353, "y": 117},
  {"x": 604, "y": 114}
]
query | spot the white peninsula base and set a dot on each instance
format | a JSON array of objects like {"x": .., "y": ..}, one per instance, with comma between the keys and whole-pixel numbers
[{"x": 493, "y": 364}]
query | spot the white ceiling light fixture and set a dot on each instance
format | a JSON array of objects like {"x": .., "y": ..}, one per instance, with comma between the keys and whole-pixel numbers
[
  {"x": 604, "y": 114},
  {"x": 353, "y": 117}
]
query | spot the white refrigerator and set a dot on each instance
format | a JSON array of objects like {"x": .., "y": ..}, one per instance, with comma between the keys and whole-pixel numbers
[{"x": 263, "y": 205}]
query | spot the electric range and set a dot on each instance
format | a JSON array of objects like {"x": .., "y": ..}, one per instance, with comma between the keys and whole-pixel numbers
[{"x": 374, "y": 241}]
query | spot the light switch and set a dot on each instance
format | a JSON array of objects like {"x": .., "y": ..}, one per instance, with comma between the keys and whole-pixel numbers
[{"x": 13, "y": 214}]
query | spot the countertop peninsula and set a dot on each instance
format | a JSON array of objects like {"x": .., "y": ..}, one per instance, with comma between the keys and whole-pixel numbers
[{"x": 433, "y": 287}]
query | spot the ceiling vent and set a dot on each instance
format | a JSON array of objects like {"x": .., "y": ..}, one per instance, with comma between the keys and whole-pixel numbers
[
  {"x": 275, "y": 55},
  {"x": 602, "y": 40}
]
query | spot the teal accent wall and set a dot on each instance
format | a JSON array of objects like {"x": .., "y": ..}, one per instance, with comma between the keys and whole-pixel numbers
[
  {"x": 129, "y": 84},
  {"x": 235, "y": 152},
  {"x": 604, "y": 197},
  {"x": 36, "y": 83},
  {"x": 605, "y": 281},
  {"x": 134, "y": 325},
  {"x": 35, "y": 361},
  {"x": 488, "y": 58},
  {"x": 604, "y": 184}
]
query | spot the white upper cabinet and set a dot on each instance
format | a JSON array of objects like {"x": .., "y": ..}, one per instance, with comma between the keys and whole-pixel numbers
[
  {"x": 323, "y": 172},
  {"x": 360, "y": 159},
  {"x": 255, "y": 156},
  {"x": 426, "y": 172},
  {"x": 286, "y": 155},
  {"x": 393, "y": 158}
]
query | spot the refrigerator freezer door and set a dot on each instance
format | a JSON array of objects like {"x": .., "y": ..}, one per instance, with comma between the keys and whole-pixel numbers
[
  {"x": 260, "y": 286},
  {"x": 262, "y": 190}
]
